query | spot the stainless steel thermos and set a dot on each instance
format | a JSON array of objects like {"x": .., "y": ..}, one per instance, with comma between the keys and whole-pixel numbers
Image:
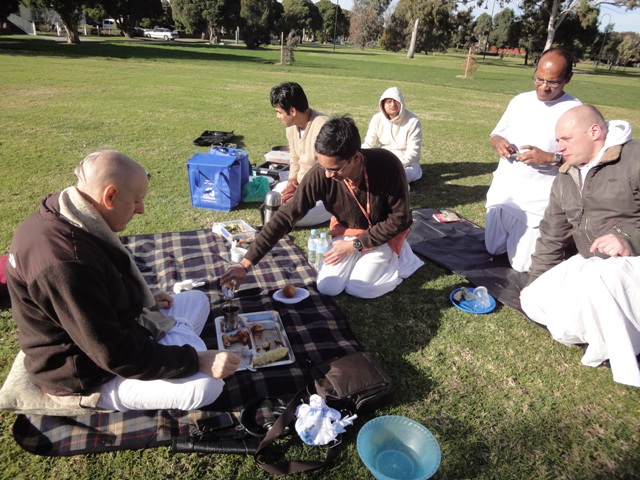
[{"x": 272, "y": 202}]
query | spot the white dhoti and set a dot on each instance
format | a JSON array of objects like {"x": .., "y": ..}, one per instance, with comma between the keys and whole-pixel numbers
[
  {"x": 592, "y": 301},
  {"x": 504, "y": 233},
  {"x": 368, "y": 274},
  {"x": 315, "y": 216},
  {"x": 191, "y": 310}
]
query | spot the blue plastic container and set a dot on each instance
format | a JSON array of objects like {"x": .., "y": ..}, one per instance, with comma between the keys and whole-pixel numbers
[{"x": 398, "y": 448}]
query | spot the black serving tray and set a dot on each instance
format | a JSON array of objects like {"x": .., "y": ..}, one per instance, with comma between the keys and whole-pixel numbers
[{"x": 211, "y": 137}]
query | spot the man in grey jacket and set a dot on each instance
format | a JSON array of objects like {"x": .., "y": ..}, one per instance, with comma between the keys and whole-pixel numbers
[{"x": 593, "y": 297}]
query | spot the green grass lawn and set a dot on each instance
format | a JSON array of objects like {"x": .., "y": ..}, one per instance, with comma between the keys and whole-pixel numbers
[{"x": 503, "y": 399}]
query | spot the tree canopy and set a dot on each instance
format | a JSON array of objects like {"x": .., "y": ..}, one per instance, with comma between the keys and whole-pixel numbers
[
  {"x": 366, "y": 21},
  {"x": 435, "y": 29}
]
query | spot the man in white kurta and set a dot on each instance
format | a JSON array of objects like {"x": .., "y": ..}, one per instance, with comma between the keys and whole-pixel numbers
[
  {"x": 592, "y": 298},
  {"x": 524, "y": 138}
]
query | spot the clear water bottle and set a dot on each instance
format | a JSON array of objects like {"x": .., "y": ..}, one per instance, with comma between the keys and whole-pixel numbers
[
  {"x": 323, "y": 246},
  {"x": 312, "y": 246}
]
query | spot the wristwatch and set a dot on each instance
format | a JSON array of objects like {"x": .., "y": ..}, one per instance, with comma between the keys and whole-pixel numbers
[
  {"x": 557, "y": 158},
  {"x": 357, "y": 244}
]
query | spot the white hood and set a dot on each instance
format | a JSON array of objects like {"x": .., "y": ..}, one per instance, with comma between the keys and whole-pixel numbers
[
  {"x": 395, "y": 94},
  {"x": 619, "y": 133}
]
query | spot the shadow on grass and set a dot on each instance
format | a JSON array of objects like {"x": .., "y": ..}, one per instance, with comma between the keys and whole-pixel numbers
[
  {"x": 439, "y": 187},
  {"x": 126, "y": 49},
  {"x": 401, "y": 324}
]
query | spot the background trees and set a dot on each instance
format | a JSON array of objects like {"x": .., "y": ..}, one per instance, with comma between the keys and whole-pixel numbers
[
  {"x": 531, "y": 26},
  {"x": 366, "y": 21},
  {"x": 7, "y": 7},
  {"x": 129, "y": 13},
  {"x": 327, "y": 10},
  {"x": 504, "y": 33},
  {"x": 301, "y": 15},
  {"x": 207, "y": 16},
  {"x": 436, "y": 26},
  {"x": 257, "y": 18},
  {"x": 69, "y": 11},
  {"x": 629, "y": 48}
]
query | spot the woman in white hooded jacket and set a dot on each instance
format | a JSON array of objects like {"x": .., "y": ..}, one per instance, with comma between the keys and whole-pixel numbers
[{"x": 398, "y": 130}]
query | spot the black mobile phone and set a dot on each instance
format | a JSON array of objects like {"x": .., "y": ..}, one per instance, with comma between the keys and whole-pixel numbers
[{"x": 217, "y": 422}]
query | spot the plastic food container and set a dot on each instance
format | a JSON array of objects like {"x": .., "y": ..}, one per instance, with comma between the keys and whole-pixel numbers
[{"x": 237, "y": 230}]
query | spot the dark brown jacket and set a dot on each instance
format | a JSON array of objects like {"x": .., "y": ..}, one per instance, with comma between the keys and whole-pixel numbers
[
  {"x": 389, "y": 194},
  {"x": 75, "y": 303}
]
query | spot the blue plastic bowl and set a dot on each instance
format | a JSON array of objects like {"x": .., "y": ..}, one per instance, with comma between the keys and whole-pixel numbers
[{"x": 398, "y": 448}]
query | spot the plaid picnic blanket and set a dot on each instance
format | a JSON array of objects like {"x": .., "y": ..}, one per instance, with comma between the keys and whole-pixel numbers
[{"x": 316, "y": 328}]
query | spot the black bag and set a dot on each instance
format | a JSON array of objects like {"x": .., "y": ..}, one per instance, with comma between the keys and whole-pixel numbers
[{"x": 354, "y": 382}]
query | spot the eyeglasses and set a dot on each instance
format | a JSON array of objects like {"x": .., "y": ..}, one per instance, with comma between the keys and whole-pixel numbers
[
  {"x": 335, "y": 171},
  {"x": 540, "y": 81}
]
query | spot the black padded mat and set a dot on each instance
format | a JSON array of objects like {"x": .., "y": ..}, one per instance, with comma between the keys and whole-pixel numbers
[{"x": 459, "y": 247}]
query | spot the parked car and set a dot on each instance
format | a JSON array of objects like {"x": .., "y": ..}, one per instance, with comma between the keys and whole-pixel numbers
[{"x": 163, "y": 33}]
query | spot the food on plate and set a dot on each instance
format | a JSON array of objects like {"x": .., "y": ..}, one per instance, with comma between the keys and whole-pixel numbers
[
  {"x": 266, "y": 346},
  {"x": 256, "y": 327},
  {"x": 241, "y": 336},
  {"x": 244, "y": 337},
  {"x": 271, "y": 356},
  {"x": 463, "y": 293},
  {"x": 289, "y": 291}
]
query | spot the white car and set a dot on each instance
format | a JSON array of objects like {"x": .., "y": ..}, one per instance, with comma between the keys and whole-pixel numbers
[{"x": 163, "y": 33}]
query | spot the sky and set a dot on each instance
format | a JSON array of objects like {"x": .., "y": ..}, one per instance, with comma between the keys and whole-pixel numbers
[{"x": 624, "y": 21}]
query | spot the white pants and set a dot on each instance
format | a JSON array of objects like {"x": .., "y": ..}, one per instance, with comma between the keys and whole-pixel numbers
[
  {"x": 191, "y": 310},
  {"x": 315, "y": 216},
  {"x": 368, "y": 274},
  {"x": 592, "y": 301},
  {"x": 505, "y": 233},
  {"x": 414, "y": 172}
]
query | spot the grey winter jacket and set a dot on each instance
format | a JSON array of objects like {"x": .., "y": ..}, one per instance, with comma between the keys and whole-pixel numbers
[{"x": 609, "y": 202}]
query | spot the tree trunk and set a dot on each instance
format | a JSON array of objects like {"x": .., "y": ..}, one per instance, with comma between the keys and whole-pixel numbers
[
  {"x": 551, "y": 27},
  {"x": 414, "y": 35},
  {"x": 71, "y": 28}
]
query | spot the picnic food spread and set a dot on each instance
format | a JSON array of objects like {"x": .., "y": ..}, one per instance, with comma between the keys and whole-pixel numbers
[{"x": 260, "y": 340}]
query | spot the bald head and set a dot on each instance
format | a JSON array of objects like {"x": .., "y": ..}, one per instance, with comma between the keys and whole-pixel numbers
[
  {"x": 105, "y": 167},
  {"x": 581, "y": 133},
  {"x": 583, "y": 117},
  {"x": 114, "y": 184},
  {"x": 560, "y": 58}
]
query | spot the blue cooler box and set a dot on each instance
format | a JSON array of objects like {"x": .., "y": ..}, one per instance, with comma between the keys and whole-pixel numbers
[
  {"x": 215, "y": 181},
  {"x": 241, "y": 155}
]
